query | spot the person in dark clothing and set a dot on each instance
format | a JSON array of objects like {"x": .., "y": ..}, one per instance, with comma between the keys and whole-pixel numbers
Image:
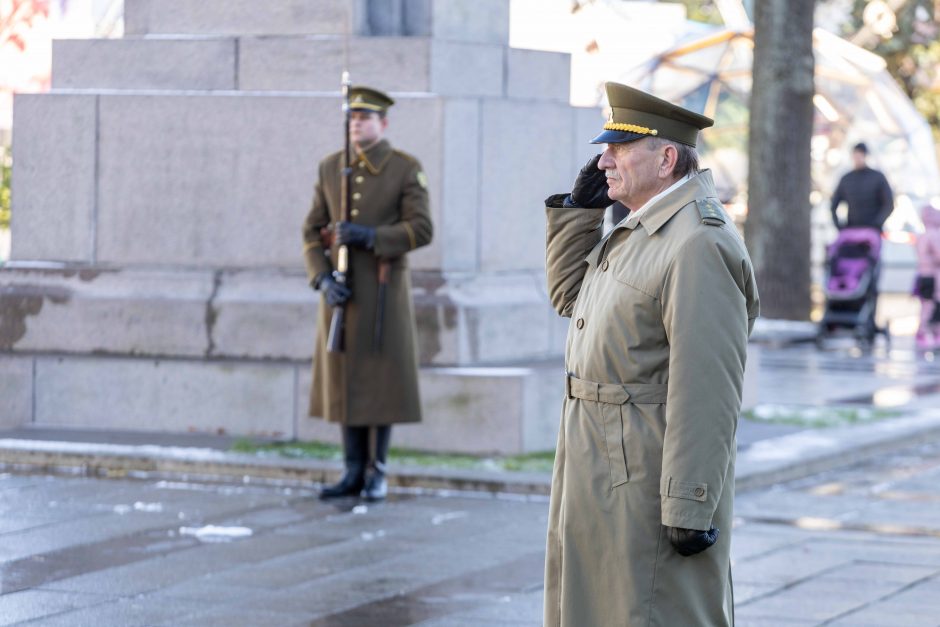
[{"x": 867, "y": 193}]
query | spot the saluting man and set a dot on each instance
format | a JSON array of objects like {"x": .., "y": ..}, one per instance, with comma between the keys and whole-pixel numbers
[
  {"x": 641, "y": 500},
  {"x": 367, "y": 388}
]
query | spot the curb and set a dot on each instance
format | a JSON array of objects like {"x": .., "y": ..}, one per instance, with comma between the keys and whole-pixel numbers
[
  {"x": 761, "y": 465},
  {"x": 149, "y": 461}
]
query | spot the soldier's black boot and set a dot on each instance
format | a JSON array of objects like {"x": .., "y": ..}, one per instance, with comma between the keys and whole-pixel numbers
[
  {"x": 376, "y": 486},
  {"x": 355, "y": 453}
]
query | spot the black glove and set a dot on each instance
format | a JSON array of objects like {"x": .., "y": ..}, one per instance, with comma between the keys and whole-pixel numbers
[
  {"x": 336, "y": 294},
  {"x": 590, "y": 188},
  {"x": 688, "y": 542},
  {"x": 349, "y": 234}
]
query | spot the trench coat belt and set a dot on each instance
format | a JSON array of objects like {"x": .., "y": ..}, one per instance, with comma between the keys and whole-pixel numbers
[{"x": 615, "y": 393}]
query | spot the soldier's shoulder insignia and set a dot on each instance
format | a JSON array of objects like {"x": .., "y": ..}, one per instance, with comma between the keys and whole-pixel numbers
[
  {"x": 711, "y": 211},
  {"x": 422, "y": 179}
]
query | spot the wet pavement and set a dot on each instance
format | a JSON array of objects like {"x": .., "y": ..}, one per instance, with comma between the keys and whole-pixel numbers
[{"x": 856, "y": 546}]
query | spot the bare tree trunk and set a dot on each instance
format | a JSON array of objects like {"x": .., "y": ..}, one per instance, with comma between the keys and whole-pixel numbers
[{"x": 781, "y": 126}]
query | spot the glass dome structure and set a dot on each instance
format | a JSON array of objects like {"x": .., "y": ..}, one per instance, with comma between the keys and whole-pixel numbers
[{"x": 856, "y": 100}]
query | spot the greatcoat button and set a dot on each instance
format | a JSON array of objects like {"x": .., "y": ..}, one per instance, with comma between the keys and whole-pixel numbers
[
  {"x": 605, "y": 265},
  {"x": 357, "y": 196},
  {"x": 360, "y": 179},
  {"x": 354, "y": 212},
  {"x": 699, "y": 492},
  {"x": 580, "y": 323}
]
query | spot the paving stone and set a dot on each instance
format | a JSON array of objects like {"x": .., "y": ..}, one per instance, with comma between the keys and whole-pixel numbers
[
  {"x": 34, "y": 604},
  {"x": 821, "y": 599},
  {"x": 136, "y": 612}
]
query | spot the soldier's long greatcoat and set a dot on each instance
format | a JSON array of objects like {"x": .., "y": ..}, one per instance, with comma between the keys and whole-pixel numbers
[
  {"x": 661, "y": 311},
  {"x": 360, "y": 387}
]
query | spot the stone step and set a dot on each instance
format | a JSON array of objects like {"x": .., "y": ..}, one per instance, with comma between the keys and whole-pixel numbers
[
  {"x": 399, "y": 64},
  {"x": 456, "y": 20},
  {"x": 181, "y": 313},
  {"x": 466, "y": 410}
]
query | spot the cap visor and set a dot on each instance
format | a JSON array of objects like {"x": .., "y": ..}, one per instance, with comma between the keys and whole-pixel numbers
[{"x": 617, "y": 137}]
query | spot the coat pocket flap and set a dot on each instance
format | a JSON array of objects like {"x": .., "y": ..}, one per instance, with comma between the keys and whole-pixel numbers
[{"x": 684, "y": 490}]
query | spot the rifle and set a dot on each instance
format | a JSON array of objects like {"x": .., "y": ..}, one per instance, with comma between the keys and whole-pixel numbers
[{"x": 334, "y": 341}]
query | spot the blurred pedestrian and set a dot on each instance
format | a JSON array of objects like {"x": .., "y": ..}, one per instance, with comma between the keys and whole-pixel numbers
[
  {"x": 367, "y": 388},
  {"x": 928, "y": 276},
  {"x": 867, "y": 193},
  {"x": 639, "y": 529}
]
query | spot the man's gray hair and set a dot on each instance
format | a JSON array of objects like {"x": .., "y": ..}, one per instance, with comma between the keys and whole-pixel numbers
[{"x": 686, "y": 163}]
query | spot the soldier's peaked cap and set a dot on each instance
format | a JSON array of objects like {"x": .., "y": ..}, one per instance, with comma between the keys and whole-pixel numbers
[
  {"x": 363, "y": 98},
  {"x": 635, "y": 114}
]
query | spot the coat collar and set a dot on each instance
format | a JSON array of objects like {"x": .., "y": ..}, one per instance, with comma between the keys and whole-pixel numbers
[
  {"x": 376, "y": 156},
  {"x": 656, "y": 215},
  {"x": 659, "y": 213}
]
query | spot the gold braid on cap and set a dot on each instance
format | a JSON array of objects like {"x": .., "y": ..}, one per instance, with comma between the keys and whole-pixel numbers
[{"x": 630, "y": 128}]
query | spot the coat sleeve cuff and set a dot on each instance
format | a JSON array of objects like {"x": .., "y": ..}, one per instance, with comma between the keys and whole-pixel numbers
[{"x": 685, "y": 504}]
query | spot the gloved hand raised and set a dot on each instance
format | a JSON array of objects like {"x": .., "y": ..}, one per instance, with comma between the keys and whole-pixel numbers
[
  {"x": 688, "y": 542},
  {"x": 349, "y": 234},
  {"x": 590, "y": 188},
  {"x": 336, "y": 294}
]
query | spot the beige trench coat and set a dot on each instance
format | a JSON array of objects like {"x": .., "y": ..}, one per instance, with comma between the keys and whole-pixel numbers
[
  {"x": 661, "y": 311},
  {"x": 360, "y": 387}
]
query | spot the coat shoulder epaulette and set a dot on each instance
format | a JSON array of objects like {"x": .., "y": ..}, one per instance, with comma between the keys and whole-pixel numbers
[
  {"x": 411, "y": 159},
  {"x": 711, "y": 211}
]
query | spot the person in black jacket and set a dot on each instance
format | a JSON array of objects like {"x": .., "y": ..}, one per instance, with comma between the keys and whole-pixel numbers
[{"x": 867, "y": 193}]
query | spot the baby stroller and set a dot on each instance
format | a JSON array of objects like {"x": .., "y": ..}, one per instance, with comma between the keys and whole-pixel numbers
[{"x": 853, "y": 266}]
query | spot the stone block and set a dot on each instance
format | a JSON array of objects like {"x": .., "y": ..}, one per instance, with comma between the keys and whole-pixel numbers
[
  {"x": 238, "y": 17},
  {"x": 226, "y": 180},
  {"x": 470, "y": 20},
  {"x": 538, "y": 75},
  {"x": 16, "y": 390},
  {"x": 137, "y": 63},
  {"x": 408, "y": 65},
  {"x": 93, "y": 311},
  {"x": 493, "y": 319},
  {"x": 316, "y": 63},
  {"x": 235, "y": 398},
  {"x": 460, "y": 185},
  {"x": 466, "y": 410},
  {"x": 588, "y": 124},
  {"x": 54, "y": 161},
  {"x": 526, "y": 156},
  {"x": 264, "y": 316},
  {"x": 467, "y": 69}
]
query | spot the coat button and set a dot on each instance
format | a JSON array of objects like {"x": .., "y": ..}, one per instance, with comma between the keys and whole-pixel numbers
[
  {"x": 699, "y": 492},
  {"x": 354, "y": 212},
  {"x": 580, "y": 323},
  {"x": 357, "y": 196},
  {"x": 605, "y": 265},
  {"x": 360, "y": 179}
]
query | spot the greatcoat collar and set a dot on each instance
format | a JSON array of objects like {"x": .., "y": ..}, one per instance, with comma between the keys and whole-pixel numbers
[
  {"x": 376, "y": 156},
  {"x": 659, "y": 213}
]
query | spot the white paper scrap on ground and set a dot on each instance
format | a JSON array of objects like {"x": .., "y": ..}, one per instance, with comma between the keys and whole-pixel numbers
[{"x": 213, "y": 533}]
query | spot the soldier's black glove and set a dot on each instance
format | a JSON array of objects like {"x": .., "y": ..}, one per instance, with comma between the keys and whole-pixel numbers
[
  {"x": 349, "y": 234},
  {"x": 590, "y": 188},
  {"x": 335, "y": 293},
  {"x": 688, "y": 542}
]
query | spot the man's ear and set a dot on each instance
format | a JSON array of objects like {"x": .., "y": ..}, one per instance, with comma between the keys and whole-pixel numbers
[{"x": 669, "y": 158}]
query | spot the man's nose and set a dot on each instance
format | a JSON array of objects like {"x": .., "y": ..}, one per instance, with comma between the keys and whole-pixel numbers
[{"x": 606, "y": 162}]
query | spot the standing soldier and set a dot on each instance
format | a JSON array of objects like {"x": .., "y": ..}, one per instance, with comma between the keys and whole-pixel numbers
[
  {"x": 661, "y": 310},
  {"x": 373, "y": 382}
]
